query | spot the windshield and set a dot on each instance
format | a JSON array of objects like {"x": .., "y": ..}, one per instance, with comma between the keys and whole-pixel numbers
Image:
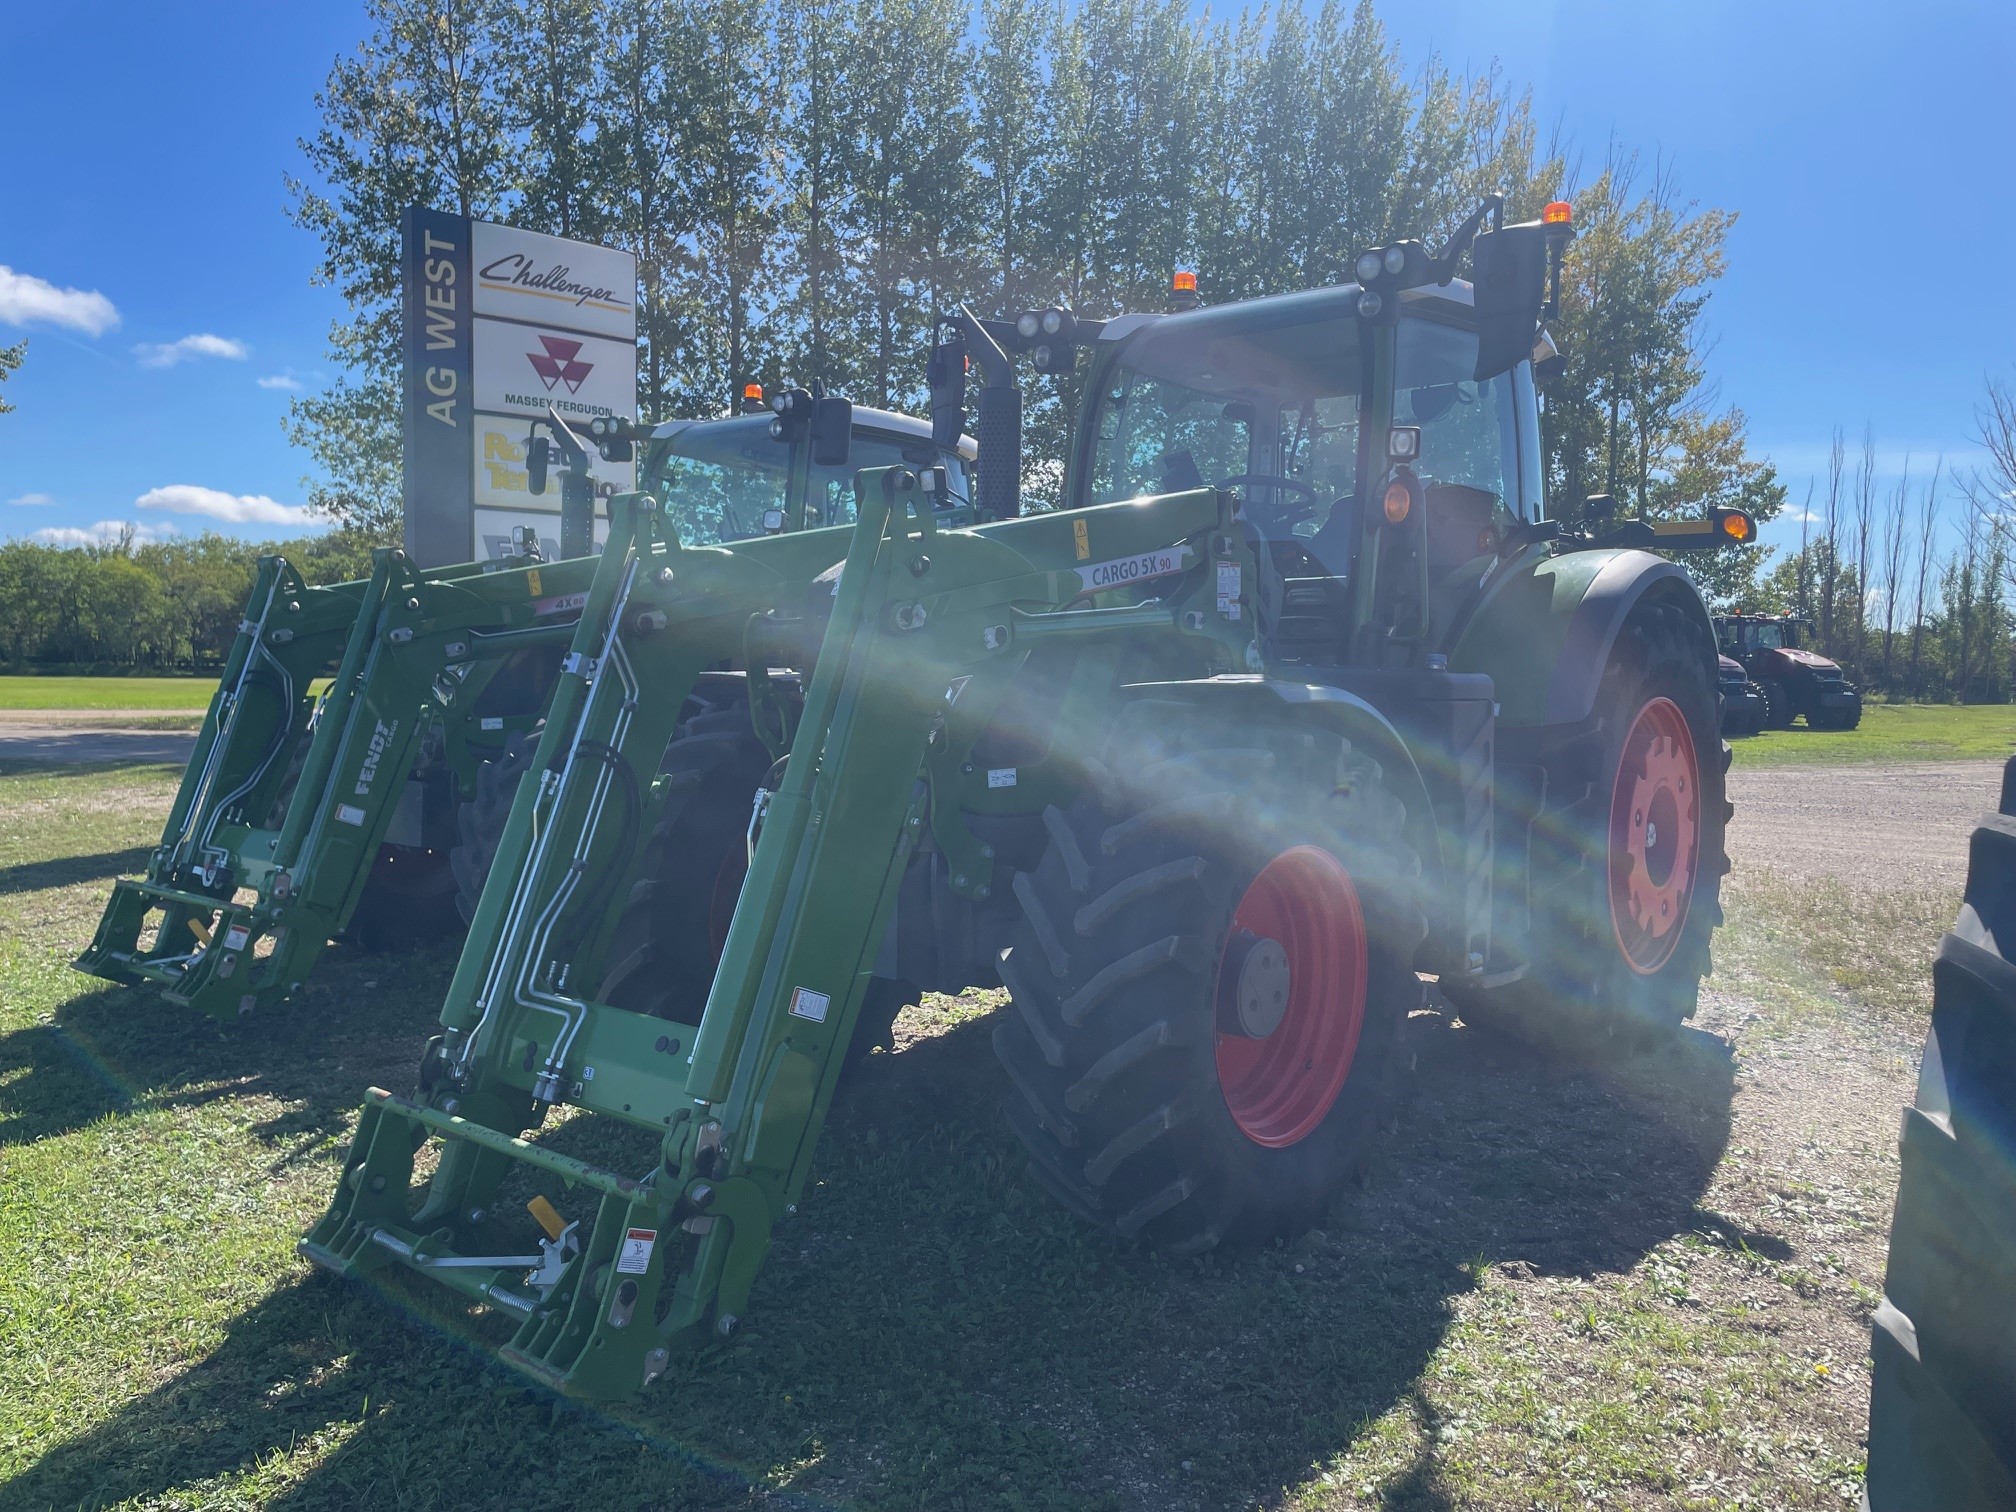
[
  {"x": 718, "y": 478},
  {"x": 1274, "y": 413}
]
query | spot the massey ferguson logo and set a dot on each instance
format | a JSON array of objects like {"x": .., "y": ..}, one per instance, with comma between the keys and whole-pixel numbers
[
  {"x": 560, "y": 363},
  {"x": 369, "y": 772}
]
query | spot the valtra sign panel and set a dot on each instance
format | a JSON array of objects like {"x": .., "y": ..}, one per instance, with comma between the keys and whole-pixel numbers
[{"x": 500, "y": 324}]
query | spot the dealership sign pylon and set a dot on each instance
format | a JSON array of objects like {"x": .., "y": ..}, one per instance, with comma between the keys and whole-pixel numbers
[{"x": 500, "y": 325}]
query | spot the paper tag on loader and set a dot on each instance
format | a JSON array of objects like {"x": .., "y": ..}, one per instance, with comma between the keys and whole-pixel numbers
[
  {"x": 635, "y": 1257},
  {"x": 807, "y": 1004},
  {"x": 349, "y": 813}
]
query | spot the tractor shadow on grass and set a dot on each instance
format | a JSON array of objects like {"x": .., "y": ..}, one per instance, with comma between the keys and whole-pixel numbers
[
  {"x": 933, "y": 1331},
  {"x": 117, "y": 1049}
]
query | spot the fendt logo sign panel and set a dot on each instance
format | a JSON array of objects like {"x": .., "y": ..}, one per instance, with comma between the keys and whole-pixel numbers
[{"x": 500, "y": 324}]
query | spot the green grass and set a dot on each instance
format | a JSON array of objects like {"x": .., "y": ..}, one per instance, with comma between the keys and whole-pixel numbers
[
  {"x": 1532, "y": 1303},
  {"x": 1890, "y": 733},
  {"x": 107, "y": 692}
]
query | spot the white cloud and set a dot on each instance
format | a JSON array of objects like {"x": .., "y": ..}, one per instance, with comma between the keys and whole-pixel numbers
[
  {"x": 31, "y": 499},
  {"x": 285, "y": 381},
  {"x": 203, "y": 345},
  {"x": 233, "y": 509},
  {"x": 25, "y": 298},
  {"x": 104, "y": 533}
]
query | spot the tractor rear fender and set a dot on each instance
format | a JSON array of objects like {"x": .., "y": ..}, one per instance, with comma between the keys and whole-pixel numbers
[
  {"x": 1546, "y": 626},
  {"x": 1246, "y": 698}
]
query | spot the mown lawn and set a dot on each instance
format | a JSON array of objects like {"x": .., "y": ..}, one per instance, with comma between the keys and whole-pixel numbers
[
  {"x": 1643, "y": 1286},
  {"x": 106, "y": 692},
  {"x": 1889, "y": 733}
]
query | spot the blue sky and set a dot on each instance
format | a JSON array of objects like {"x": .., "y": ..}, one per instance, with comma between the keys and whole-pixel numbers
[{"x": 1864, "y": 145}]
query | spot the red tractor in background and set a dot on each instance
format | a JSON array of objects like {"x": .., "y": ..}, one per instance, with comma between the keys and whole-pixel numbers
[{"x": 1794, "y": 680}]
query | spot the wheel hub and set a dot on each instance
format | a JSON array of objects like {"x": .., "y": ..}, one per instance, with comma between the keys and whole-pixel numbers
[
  {"x": 1655, "y": 828},
  {"x": 1255, "y": 983}
]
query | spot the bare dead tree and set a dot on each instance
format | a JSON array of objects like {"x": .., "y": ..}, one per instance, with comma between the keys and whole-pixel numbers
[
  {"x": 1990, "y": 488},
  {"x": 1802, "y": 580},
  {"x": 1893, "y": 567},
  {"x": 1831, "y": 565},
  {"x": 1928, "y": 515},
  {"x": 1865, "y": 523}
]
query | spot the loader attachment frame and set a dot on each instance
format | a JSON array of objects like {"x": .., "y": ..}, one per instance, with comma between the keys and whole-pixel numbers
[
  {"x": 928, "y": 629},
  {"x": 288, "y": 798}
]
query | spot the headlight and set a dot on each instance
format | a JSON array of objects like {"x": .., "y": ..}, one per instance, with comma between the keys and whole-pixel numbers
[
  {"x": 1369, "y": 267},
  {"x": 1396, "y": 259}
]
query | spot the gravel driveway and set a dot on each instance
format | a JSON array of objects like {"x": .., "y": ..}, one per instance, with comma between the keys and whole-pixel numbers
[
  {"x": 1866, "y": 826},
  {"x": 52, "y": 736}
]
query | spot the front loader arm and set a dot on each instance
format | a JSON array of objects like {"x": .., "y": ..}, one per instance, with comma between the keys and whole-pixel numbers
[{"x": 668, "y": 1257}]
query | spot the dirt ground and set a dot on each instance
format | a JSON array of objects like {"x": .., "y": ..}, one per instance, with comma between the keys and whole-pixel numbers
[
  {"x": 54, "y": 736},
  {"x": 1863, "y": 826}
]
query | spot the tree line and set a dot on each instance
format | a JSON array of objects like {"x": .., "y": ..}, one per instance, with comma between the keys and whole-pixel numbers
[
  {"x": 146, "y": 606},
  {"x": 1908, "y": 578},
  {"x": 807, "y": 184}
]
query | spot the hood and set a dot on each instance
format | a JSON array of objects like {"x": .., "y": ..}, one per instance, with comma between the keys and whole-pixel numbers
[
  {"x": 1810, "y": 659},
  {"x": 1731, "y": 668}
]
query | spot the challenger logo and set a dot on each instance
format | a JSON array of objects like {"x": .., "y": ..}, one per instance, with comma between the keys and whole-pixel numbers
[
  {"x": 368, "y": 773},
  {"x": 560, "y": 363},
  {"x": 521, "y": 273}
]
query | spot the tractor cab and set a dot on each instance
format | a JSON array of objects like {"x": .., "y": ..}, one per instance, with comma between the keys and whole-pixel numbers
[{"x": 1280, "y": 401}]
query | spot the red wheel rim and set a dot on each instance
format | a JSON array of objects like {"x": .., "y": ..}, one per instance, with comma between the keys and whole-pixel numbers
[
  {"x": 1278, "y": 1089},
  {"x": 1655, "y": 835}
]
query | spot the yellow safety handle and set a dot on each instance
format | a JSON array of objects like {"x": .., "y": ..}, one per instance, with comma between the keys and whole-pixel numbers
[{"x": 548, "y": 1216}]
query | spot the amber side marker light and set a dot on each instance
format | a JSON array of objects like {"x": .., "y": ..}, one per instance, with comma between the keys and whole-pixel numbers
[
  {"x": 1739, "y": 527},
  {"x": 1398, "y": 502}
]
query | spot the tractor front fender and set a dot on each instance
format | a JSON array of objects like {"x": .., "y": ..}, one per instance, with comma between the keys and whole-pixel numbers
[
  {"x": 1247, "y": 698},
  {"x": 1546, "y": 626}
]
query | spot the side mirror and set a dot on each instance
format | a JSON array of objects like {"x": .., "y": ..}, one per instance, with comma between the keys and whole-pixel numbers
[
  {"x": 832, "y": 432},
  {"x": 1510, "y": 269},
  {"x": 538, "y": 454},
  {"x": 946, "y": 373}
]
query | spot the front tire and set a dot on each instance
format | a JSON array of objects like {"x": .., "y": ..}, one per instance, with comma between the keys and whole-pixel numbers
[
  {"x": 1210, "y": 983},
  {"x": 1626, "y": 880}
]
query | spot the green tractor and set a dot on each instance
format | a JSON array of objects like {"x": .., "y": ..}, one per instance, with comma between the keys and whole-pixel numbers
[
  {"x": 1300, "y": 699},
  {"x": 371, "y": 810}
]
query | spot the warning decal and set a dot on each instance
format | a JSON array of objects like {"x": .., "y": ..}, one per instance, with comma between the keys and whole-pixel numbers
[
  {"x": 807, "y": 1004},
  {"x": 236, "y": 936},
  {"x": 635, "y": 1257},
  {"x": 349, "y": 813}
]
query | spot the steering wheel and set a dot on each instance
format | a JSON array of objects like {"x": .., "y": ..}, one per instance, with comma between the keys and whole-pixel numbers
[{"x": 1285, "y": 515}]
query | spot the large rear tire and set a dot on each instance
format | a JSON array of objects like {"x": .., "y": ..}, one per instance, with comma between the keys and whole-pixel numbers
[
  {"x": 1211, "y": 981},
  {"x": 668, "y": 940},
  {"x": 1626, "y": 879},
  {"x": 1778, "y": 711},
  {"x": 479, "y": 823}
]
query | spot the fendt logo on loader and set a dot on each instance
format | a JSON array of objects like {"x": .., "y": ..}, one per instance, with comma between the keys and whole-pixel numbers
[{"x": 368, "y": 773}]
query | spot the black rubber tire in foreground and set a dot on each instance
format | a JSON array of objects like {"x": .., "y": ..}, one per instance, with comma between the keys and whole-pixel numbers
[
  {"x": 479, "y": 823},
  {"x": 667, "y": 943},
  {"x": 410, "y": 900},
  {"x": 1580, "y": 994},
  {"x": 1110, "y": 1045},
  {"x": 1941, "y": 1429}
]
